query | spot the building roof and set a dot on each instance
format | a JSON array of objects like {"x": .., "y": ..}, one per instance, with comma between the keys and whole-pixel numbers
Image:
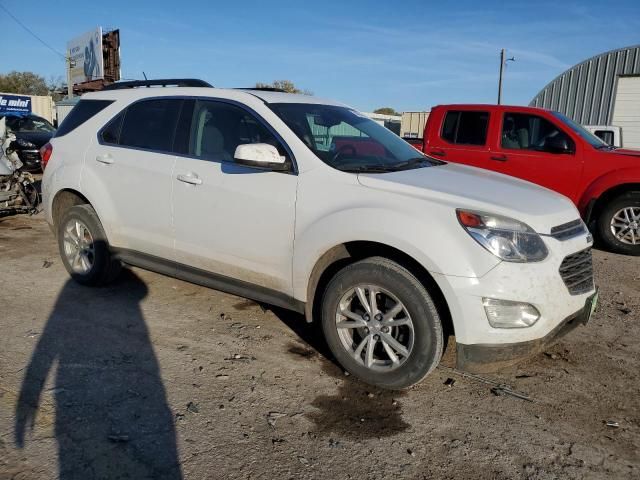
[{"x": 586, "y": 91}]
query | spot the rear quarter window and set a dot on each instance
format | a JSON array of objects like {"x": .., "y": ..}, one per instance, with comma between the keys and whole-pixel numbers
[{"x": 83, "y": 111}]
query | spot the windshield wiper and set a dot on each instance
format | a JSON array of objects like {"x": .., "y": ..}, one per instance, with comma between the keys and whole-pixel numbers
[
  {"x": 377, "y": 168},
  {"x": 605, "y": 147},
  {"x": 414, "y": 162},
  {"x": 393, "y": 167}
]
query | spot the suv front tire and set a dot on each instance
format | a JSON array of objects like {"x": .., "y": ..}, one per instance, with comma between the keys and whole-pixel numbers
[{"x": 381, "y": 324}]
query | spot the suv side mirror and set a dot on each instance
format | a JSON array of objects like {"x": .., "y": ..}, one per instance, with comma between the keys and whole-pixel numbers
[
  {"x": 260, "y": 155},
  {"x": 558, "y": 144}
]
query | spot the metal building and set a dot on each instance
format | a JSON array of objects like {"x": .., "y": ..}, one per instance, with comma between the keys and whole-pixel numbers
[{"x": 587, "y": 92}]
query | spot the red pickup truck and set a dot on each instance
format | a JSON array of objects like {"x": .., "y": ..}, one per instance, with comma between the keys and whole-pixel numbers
[{"x": 549, "y": 149}]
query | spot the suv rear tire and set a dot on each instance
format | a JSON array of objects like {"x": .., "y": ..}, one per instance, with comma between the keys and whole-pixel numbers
[
  {"x": 84, "y": 248},
  {"x": 619, "y": 224},
  {"x": 391, "y": 339}
]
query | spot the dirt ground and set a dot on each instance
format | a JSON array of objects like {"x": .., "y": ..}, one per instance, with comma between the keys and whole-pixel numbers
[{"x": 157, "y": 378}]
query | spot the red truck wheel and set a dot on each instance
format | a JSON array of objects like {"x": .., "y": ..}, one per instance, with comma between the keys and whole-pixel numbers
[{"x": 619, "y": 224}]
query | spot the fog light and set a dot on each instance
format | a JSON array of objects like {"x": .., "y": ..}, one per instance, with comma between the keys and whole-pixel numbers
[{"x": 508, "y": 314}]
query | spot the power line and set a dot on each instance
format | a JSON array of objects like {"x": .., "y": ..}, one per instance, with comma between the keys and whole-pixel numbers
[{"x": 32, "y": 33}]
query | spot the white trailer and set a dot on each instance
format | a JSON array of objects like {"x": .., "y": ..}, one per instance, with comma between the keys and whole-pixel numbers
[
  {"x": 413, "y": 123},
  {"x": 626, "y": 110}
]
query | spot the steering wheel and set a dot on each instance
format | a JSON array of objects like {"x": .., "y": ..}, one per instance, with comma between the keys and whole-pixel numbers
[{"x": 342, "y": 150}]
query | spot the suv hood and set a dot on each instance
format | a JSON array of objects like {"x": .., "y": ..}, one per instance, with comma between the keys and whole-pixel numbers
[
  {"x": 461, "y": 186},
  {"x": 37, "y": 138}
]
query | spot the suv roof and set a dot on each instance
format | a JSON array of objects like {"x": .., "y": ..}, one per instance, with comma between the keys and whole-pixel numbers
[{"x": 193, "y": 87}]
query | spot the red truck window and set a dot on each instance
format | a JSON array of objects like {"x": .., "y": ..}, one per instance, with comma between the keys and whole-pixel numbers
[
  {"x": 521, "y": 131},
  {"x": 465, "y": 127}
]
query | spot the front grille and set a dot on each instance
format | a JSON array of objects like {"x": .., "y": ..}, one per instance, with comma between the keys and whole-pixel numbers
[
  {"x": 568, "y": 230},
  {"x": 576, "y": 271},
  {"x": 29, "y": 156}
]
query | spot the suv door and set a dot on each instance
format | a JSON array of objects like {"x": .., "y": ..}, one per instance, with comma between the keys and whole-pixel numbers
[
  {"x": 230, "y": 220},
  {"x": 128, "y": 170},
  {"x": 528, "y": 148},
  {"x": 462, "y": 138}
]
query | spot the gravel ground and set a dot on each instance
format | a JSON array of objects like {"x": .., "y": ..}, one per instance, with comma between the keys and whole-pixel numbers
[{"x": 157, "y": 378}]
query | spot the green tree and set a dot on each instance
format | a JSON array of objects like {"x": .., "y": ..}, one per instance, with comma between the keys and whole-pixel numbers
[
  {"x": 24, "y": 83},
  {"x": 386, "y": 111},
  {"x": 286, "y": 85}
]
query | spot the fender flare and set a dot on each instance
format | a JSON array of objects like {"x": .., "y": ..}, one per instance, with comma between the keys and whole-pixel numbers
[{"x": 605, "y": 183}]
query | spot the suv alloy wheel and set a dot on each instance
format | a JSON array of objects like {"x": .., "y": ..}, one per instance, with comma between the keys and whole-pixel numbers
[{"x": 84, "y": 249}]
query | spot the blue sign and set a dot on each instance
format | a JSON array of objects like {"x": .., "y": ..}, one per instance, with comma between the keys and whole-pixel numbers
[{"x": 14, "y": 103}]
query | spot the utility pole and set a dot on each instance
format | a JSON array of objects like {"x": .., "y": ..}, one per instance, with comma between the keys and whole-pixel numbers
[
  {"x": 503, "y": 64},
  {"x": 500, "y": 78},
  {"x": 70, "y": 64}
]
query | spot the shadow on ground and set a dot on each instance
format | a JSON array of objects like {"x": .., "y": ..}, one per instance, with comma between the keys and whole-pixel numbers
[
  {"x": 112, "y": 419},
  {"x": 356, "y": 410}
]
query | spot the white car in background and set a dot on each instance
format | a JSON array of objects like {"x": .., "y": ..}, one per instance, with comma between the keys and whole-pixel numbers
[{"x": 306, "y": 204}]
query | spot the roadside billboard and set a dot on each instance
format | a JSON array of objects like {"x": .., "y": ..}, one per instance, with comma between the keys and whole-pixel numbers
[
  {"x": 85, "y": 52},
  {"x": 14, "y": 103}
]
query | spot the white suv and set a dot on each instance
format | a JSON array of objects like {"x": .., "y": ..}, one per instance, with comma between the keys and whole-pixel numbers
[{"x": 307, "y": 204}]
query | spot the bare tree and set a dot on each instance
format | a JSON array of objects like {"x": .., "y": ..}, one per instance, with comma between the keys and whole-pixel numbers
[{"x": 57, "y": 87}]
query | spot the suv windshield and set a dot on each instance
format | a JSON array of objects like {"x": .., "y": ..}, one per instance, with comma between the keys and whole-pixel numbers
[
  {"x": 349, "y": 141},
  {"x": 28, "y": 124},
  {"x": 583, "y": 132}
]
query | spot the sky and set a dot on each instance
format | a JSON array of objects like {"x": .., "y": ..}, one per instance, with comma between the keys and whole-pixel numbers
[{"x": 408, "y": 55}]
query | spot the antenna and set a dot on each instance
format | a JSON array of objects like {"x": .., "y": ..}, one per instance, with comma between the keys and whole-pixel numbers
[{"x": 144, "y": 75}]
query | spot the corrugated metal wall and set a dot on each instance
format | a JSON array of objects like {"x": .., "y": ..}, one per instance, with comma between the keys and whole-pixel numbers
[{"x": 586, "y": 92}]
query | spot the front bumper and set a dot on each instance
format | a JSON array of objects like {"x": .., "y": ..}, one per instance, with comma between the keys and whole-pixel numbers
[
  {"x": 484, "y": 358},
  {"x": 31, "y": 159}
]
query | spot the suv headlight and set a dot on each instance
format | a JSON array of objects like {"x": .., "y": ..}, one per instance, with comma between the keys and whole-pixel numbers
[
  {"x": 506, "y": 238},
  {"x": 25, "y": 143}
]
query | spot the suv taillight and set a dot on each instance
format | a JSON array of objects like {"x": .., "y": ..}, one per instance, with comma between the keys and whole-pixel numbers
[{"x": 45, "y": 154}]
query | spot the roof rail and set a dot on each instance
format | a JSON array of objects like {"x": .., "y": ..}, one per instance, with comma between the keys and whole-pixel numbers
[
  {"x": 262, "y": 89},
  {"x": 166, "y": 82}
]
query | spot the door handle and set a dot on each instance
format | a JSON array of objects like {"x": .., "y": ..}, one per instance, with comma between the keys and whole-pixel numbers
[
  {"x": 499, "y": 158},
  {"x": 105, "y": 158},
  {"x": 190, "y": 178},
  {"x": 438, "y": 153}
]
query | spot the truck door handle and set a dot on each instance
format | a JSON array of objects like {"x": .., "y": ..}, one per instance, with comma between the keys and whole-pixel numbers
[
  {"x": 190, "y": 178},
  {"x": 438, "y": 153},
  {"x": 105, "y": 158},
  {"x": 499, "y": 158}
]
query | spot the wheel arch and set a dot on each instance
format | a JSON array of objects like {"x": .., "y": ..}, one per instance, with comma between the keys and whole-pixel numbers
[
  {"x": 347, "y": 253},
  {"x": 62, "y": 201},
  {"x": 609, "y": 194}
]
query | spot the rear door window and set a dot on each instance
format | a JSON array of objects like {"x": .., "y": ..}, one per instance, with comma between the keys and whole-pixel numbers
[
  {"x": 465, "y": 127},
  {"x": 111, "y": 132},
  {"x": 83, "y": 111},
  {"x": 150, "y": 124}
]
